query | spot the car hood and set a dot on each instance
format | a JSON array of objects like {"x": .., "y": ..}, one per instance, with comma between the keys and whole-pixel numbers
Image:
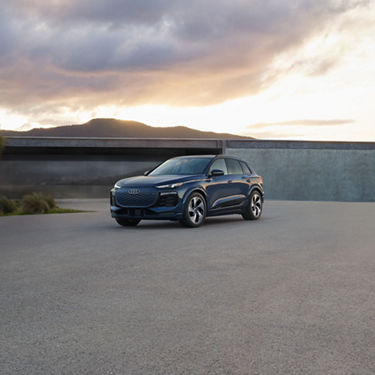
[{"x": 156, "y": 180}]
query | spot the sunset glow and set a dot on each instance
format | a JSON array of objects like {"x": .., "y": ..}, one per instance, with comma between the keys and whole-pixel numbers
[{"x": 271, "y": 70}]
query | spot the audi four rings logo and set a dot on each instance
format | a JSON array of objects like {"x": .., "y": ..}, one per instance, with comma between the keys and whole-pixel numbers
[{"x": 133, "y": 191}]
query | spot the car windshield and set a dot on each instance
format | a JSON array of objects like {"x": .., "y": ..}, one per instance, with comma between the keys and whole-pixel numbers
[{"x": 181, "y": 166}]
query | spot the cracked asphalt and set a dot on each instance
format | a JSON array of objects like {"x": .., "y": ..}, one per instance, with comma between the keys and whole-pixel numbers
[{"x": 293, "y": 293}]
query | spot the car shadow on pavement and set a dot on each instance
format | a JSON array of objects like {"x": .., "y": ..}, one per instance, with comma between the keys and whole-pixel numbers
[{"x": 172, "y": 225}]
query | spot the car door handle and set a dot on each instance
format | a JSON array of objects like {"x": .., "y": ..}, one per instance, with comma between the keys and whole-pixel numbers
[
  {"x": 246, "y": 178},
  {"x": 230, "y": 181}
]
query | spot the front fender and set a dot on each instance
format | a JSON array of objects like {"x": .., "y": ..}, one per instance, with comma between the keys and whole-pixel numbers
[{"x": 193, "y": 189}]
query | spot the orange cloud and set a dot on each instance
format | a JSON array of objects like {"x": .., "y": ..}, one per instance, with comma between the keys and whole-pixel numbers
[{"x": 80, "y": 54}]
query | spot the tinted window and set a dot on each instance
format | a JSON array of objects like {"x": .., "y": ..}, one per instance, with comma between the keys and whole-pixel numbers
[
  {"x": 219, "y": 164},
  {"x": 245, "y": 168},
  {"x": 234, "y": 166},
  {"x": 182, "y": 166}
]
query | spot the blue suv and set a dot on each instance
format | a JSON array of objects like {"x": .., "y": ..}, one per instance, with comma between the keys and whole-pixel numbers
[{"x": 188, "y": 189}]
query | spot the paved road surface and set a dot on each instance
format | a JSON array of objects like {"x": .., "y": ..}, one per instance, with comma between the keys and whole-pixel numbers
[{"x": 291, "y": 294}]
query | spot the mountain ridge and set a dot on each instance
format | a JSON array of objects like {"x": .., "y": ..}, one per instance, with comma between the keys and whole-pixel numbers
[{"x": 114, "y": 128}]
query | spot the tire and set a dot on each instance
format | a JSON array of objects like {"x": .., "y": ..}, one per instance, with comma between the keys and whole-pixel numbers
[
  {"x": 127, "y": 222},
  {"x": 254, "y": 206},
  {"x": 195, "y": 211}
]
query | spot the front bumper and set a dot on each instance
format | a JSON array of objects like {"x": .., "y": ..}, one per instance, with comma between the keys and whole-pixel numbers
[{"x": 164, "y": 208}]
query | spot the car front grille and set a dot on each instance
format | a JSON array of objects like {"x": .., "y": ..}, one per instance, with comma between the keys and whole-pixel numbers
[{"x": 136, "y": 197}]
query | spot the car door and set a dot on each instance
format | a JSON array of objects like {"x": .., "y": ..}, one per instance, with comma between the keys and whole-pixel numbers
[
  {"x": 237, "y": 182},
  {"x": 218, "y": 187}
]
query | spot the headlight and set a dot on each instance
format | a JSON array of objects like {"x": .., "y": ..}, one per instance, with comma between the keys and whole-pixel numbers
[
  {"x": 170, "y": 186},
  {"x": 117, "y": 186}
]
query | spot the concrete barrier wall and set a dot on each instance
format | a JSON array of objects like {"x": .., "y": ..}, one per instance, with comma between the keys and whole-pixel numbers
[
  {"x": 335, "y": 171},
  {"x": 68, "y": 178},
  {"x": 85, "y": 168},
  {"x": 312, "y": 170}
]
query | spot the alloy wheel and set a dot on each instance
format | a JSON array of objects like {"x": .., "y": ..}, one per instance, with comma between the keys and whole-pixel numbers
[
  {"x": 196, "y": 210},
  {"x": 256, "y": 205}
]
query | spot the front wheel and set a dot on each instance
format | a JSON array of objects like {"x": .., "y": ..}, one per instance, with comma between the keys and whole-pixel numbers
[
  {"x": 254, "y": 207},
  {"x": 195, "y": 211},
  {"x": 127, "y": 222}
]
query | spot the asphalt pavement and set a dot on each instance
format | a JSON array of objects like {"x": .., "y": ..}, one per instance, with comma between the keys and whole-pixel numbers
[{"x": 293, "y": 293}]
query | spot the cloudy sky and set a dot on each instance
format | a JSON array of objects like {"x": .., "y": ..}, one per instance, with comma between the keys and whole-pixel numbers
[{"x": 288, "y": 69}]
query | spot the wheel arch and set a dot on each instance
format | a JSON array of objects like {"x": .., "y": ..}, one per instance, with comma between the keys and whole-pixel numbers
[
  {"x": 257, "y": 188},
  {"x": 195, "y": 190}
]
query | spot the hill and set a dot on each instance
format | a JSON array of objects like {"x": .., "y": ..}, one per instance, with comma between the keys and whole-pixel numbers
[{"x": 106, "y": 127}]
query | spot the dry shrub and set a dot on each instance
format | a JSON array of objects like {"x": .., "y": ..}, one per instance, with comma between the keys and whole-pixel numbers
[
  {"x": 7, "y": 206},
  {"x": 34, "y": 203},
  {"x": 50, "y": 201}
]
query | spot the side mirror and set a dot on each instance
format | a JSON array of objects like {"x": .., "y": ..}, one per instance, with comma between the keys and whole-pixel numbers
[
  {"x": 217, "y": 172},
  {"x": 146, "y": 173}
]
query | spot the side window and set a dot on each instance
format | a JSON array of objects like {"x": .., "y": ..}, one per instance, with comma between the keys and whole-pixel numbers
[
  {"x": 234, "y": 166},
  {"x": 219, "y": 164},
  {"x": 245, "y": 168}
]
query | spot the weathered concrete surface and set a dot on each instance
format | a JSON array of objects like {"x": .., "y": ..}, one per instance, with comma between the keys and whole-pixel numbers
[
  {"x": 290, "y": 294},
  {"x": 85, "y": 167},
  {"x": 68, "y": 178},
  {"x": 95, "y": 143},
  {"x": 313, "y": 174}
]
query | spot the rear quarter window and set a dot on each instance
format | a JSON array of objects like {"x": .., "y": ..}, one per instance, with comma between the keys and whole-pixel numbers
[
  {"x": 245, "y": 168},
  {"x": 233, "y": 166}
]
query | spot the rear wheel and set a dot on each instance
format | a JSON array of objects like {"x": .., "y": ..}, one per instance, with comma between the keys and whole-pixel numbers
[
  {"x": 254, "y": 207},
  {"x": 195, "y": 211},
  {"x": 128, "y": 222}
]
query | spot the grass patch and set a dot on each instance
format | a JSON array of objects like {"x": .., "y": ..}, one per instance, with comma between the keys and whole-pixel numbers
[
  {"x": 57, "y": 210},
  {"x": 32, "y": 204}
]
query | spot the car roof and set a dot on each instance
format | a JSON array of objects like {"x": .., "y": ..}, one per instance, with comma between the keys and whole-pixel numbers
[
  {"x": 195, "y": 156},
  {"x": 207, "y": 156}
]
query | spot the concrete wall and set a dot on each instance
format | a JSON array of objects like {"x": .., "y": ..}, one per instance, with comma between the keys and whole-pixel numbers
[
  {"x": 68, "y": 168},
  {"x": 64, "y": 167},
  {"x": 68, "y": 178},
  {"x": 334, "y": 171}
]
